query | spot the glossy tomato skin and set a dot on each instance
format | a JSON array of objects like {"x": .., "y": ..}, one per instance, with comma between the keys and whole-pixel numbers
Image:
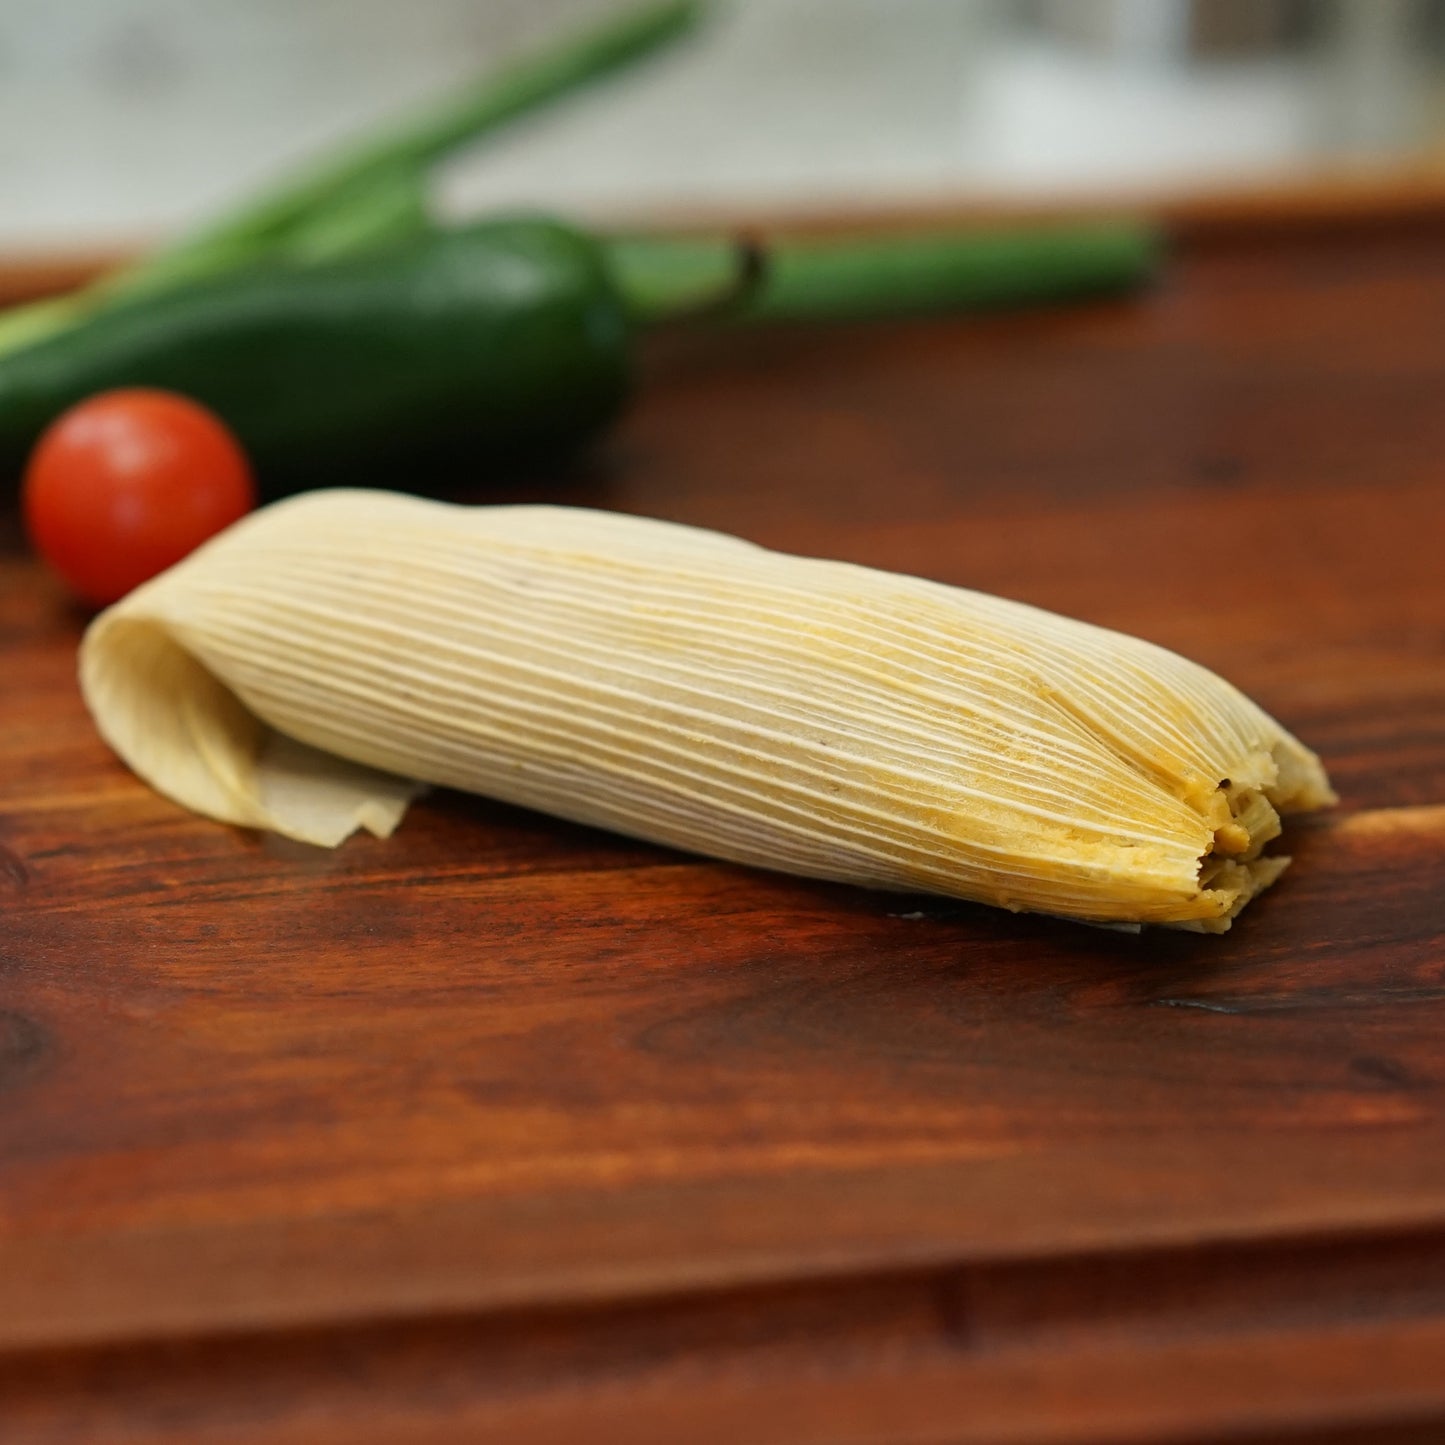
[{"x": 127, "y": 483}]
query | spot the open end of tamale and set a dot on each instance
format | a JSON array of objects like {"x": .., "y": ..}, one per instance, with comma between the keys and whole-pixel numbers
[{"x": 1245, "y": 821}]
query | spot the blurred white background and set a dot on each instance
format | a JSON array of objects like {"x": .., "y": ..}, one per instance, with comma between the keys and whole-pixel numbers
[{"x": 124, "y": 119}]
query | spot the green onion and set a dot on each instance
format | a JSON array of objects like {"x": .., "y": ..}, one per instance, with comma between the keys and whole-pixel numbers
[
  {"x": 412, "y": 147},
  {"x": 372, "y": 192}
]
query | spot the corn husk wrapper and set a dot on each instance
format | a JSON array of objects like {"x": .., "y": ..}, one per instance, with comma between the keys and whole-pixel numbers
[{"x": 304, "y": 671}]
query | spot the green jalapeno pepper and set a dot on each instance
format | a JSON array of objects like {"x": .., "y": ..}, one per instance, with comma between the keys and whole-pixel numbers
[{"x": 495, "y": 337}]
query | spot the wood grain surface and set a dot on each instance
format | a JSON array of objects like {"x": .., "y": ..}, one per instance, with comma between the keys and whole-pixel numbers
[{"x": 505, "y": 1130}]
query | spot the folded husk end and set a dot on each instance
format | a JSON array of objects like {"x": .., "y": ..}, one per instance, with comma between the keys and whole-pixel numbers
[{"x": 192, "y": 739}]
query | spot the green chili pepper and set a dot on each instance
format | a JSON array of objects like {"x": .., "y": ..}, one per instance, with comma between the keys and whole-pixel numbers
[
  {"x": 495, "y": 338},
  {"x": 491, "y": 338}
]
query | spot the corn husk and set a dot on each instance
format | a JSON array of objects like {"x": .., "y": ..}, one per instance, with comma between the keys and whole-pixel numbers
[{"x": 307, "y": 669}]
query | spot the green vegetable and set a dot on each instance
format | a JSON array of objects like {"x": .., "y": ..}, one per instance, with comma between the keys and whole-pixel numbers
[
  {"x": 343, "y": 335},
  {"x": 476, "y": 342},
  {"x": 495, "y": 337},
  {"x": 372, "y": 193},
  {"x": 411, "y": 148},
  {"x": 852, "y": 278},
  {"x": 947, "y": 272}
]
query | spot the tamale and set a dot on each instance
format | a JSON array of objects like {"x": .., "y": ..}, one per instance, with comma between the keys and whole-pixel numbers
[{"x": 309, "y": 668}]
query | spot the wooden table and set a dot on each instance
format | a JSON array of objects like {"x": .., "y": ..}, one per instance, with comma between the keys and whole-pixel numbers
[{"x": 505, "y": 1130}]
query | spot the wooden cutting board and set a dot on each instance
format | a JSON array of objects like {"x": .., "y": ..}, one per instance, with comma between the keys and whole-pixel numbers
[{"x": 505, "y": 1130}]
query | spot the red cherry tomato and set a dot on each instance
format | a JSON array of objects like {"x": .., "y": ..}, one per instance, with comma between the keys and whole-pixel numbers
[{"x": 127, "y": 483}]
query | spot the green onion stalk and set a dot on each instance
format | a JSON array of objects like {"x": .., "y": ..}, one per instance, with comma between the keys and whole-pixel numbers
[{"x": 371, "y": 193}]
